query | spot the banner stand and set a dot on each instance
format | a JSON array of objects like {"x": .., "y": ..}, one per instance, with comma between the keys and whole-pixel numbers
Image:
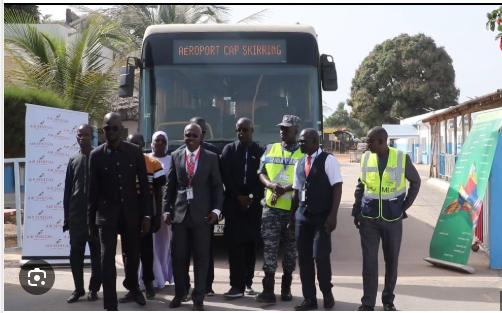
[{"x": 461, "y": 267}]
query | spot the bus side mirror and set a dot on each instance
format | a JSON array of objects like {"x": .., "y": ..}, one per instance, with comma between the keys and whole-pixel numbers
[
  {"x": 328, "y": 73},
  {"x": 126, "y": 79}
]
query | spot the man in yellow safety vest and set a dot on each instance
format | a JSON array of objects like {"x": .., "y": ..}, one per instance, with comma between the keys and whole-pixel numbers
[
  {"x": 380, "y": 205},
  {"x": 276, "y": 174}
]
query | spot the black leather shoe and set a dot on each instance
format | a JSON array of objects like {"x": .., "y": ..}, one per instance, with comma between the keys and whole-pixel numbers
[
  {"x": 92, "y": 296},
  {"x": 307, "y": 305},
  {"x": 389, "y": 307},
  {"x": 175, "y": 303},
  {"x": 210, "y": 292},
  {"x": 198, "y": 306},
  {"x": 365, "y": 308},
  {"x": 233, "y": 293},
  {"x": 329, "y": 301},
  {"x": 139, "y": 298},
  {"x": 150, "y": 291},
  {"x": 75, "y": 296},
  {"x": 129, "y": 297}
]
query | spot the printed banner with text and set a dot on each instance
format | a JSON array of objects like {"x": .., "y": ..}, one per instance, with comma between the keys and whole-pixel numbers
[
  {"x": 50, "y": 141},
  {"x": 453, "y": 235}
]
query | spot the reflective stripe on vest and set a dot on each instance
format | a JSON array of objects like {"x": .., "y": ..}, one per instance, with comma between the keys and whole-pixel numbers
[
  {"x": 274, "y": 165},
  {"x": 383, "y": 188}
]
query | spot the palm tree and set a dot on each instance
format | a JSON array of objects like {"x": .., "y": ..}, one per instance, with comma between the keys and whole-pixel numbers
[
  {"x": 326, "y": 108},
  {"x": 136, "y": 18},
  {"x": 73, "y": 68}
]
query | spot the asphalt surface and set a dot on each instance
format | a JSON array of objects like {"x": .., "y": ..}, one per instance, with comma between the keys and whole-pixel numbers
[{"x": 421, "y": 286}]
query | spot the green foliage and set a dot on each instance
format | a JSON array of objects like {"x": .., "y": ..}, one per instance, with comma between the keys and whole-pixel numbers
[
  {"x": 15, "y": 98},
  {"x": 495, "y": 20},
  {"x": 75, "y": 69},
  {"x": 342, "y": 119},
  {"x": 29, "y": 9},
  {"x": 403, "y": 77}
]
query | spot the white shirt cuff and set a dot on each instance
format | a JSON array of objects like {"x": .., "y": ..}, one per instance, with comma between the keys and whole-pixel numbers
[
  {"x": 217, "y": 212},
  {"x": 167, "y": 213}
]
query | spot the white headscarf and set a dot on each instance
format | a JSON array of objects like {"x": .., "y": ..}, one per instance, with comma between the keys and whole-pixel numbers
[{"x": 155, "y": 135}]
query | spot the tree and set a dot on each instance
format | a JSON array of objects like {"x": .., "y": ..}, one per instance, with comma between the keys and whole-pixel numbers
[
  {"x": 73, "y": 68},
  {"x": 136, "y": 18},
  {"x": 495, "y": 17},
  {"x": 15, "y": 98},
  {"x": 403, "y": 77},
  {"x": 30, "y": 9},
  {"x": 341, "y": 119}
]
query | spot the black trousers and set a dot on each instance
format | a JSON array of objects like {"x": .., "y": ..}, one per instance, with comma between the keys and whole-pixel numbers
[
  {"x": 241, "y": 260},
  {"x": 371, "y": 232},
  {"x": 210, "y": 269},
  {"x": 130, "y": 239},
  {"x": 187, "y": 236},
  {"x": 146, "y": 258},
  {"x": 313, "y": 244},
  {"x": 77, "y": 254}
]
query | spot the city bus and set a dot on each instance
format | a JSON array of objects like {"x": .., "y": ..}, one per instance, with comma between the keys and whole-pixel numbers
[{"x": 223, "y": 72}]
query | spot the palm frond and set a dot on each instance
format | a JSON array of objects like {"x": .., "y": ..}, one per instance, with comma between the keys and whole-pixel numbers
[{"x": 255, "y": 17}]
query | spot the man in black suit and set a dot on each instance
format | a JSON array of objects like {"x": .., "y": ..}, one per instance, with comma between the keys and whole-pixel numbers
[
  {"x": 115, "y": 207},
  {"x": 192, "y": 203}
]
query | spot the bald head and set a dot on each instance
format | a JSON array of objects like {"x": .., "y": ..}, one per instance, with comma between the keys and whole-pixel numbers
[
  {"x": 244, "y": 129},
  {"x": 136, "y": 139},
  {"x": 86, "y": 127},
  {"x": 85, "y": 136},
  {"x": 376, "y": 140},
  {"x": 112, "y": 116},
  {"x": 193, "y": 136},
  {"x": 309, "y": 141}
]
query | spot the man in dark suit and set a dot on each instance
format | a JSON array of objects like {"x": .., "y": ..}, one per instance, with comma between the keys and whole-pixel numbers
[
  {"x": 114, "y": 206},
  {"x": 210, "y": 272},
  {"x": 192, "y": 203}
]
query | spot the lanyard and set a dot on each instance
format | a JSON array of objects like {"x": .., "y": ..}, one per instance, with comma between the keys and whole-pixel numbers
[
  {"x": 191, "y": 169},
  {"x": 246, "y": 167},
  {"x": 284, "y": 162}
]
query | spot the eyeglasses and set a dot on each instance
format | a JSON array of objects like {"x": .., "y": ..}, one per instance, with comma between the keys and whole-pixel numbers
[
  {"x": 161, "y": 140},
  {"x": 108, "y": 128},
  {"x": 242, "y": 130},
  {"x": 188, "y": 135}
]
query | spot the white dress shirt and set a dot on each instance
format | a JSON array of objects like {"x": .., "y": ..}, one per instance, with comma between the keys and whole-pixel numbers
[{"x": 331, "y": 166}]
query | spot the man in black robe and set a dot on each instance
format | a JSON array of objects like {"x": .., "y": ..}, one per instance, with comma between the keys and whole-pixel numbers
[
  {"x": 240, "y": 162},
  {"x": 75, "y": 218}
]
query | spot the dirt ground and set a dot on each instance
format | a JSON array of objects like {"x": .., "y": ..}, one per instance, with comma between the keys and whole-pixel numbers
[{"x": 10, "y": 233}]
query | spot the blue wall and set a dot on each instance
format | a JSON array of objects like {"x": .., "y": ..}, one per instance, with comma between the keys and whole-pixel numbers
[{"x": 496, "y": 209}]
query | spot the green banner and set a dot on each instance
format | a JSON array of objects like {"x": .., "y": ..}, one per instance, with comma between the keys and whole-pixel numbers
[{"x": 453, "y": 235}]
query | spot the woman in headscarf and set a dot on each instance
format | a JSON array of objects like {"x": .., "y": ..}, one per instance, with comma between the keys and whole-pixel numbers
[{"x": 162, "y": 266}]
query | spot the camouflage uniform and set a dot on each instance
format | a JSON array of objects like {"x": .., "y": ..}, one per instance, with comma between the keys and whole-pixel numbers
[{"x": 274, "y": 231}]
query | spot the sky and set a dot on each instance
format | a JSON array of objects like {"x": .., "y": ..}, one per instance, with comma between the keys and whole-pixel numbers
[{"x": 349, "y": 33}]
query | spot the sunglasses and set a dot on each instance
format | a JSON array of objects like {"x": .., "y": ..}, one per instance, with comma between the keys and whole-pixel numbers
[
  {"x": 188, "y": 135},
  {"x": 242, "y": 130},
  {"x": 161, "y": 140},
  {"x": 111, "y": 128}
]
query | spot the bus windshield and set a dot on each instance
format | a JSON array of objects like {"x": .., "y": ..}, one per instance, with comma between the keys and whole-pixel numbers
[{"x": 221, "y": 94}]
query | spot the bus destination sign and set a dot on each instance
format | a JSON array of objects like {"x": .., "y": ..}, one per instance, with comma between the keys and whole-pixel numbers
[{"x": 229, "y": 51}]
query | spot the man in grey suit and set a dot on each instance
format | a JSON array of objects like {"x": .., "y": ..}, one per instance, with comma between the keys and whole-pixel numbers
[{"x": 192, "y": 203}]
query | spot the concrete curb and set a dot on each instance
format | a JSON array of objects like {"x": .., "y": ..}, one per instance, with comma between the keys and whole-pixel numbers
[{"x": 441, "y": 184}]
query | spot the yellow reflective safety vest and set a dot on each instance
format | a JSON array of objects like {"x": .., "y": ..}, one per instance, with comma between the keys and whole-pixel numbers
[
  {"x": 280, "y": 167},
  {"x": 383, "y": 196}
]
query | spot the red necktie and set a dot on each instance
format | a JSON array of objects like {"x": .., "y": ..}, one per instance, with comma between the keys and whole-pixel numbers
[{"x": 307, "y": 167}]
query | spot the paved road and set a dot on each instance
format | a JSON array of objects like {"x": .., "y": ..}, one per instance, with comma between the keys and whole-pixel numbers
[{"x": 420, "y": 287}]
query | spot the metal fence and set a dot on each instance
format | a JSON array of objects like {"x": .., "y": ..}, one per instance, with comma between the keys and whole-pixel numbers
[{"x": 17, "y": 198}]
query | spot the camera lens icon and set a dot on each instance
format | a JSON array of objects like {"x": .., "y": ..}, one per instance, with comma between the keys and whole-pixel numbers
[{"x": 36, "y": 277}]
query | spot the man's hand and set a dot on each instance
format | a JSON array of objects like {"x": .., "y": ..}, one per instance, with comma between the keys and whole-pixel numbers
[
  {"x": 357, "y": 222},
  {"x": 212, "y": 218},
  {"x": 145, "y": 226},
  {"x": 330, "y": 224},
  {"x": 168, "y": 219},
  {"x": 156, "y": 224},
  {"x": 277, "y": 189},
  {"x": 92, "y": 232},
  {"x": 274, "y": 199},
  {"x": 244, "y": 202}
]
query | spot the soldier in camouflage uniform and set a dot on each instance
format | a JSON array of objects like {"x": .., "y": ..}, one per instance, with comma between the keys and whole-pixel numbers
[{"x": 276, "y": 174}]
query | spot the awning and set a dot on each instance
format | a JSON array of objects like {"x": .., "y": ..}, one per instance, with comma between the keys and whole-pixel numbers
[{"x": 400, "y": 131}]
